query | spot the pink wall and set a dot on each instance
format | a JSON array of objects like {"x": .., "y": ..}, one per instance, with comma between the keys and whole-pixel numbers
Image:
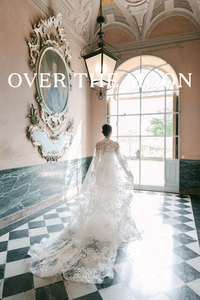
[
  {"x": 184, "y": 59},
  {"x": 15, "y": 149}
]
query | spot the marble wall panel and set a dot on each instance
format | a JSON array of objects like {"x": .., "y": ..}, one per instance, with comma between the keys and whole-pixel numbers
[
  {"x": 190, "y": 174},
  {"x": 21, "y": 188}
]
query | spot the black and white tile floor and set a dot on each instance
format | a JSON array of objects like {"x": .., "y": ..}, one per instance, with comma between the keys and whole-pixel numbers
[{"x": 165, "y": 265}]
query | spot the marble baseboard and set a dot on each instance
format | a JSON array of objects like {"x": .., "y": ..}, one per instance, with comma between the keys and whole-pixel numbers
[
  {"x": 185, "y": 191},
  {"x": 195, "y": 200},
  {"x": 190, "y": 175},
  {"x": 23, "y": 188}
]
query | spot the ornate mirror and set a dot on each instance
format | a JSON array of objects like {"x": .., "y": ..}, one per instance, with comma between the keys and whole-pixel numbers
[{"x": 50, "y": 59}]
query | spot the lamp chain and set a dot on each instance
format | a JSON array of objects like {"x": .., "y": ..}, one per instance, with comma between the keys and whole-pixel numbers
[{"x": 100, "y": 9}]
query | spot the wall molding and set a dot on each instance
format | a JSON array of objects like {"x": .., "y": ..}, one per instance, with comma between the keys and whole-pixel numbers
[
  {"x": 185, "y": 191},
  {"x": 160, "y": 42}
]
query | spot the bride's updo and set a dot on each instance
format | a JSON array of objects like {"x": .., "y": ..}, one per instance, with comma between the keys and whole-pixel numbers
[{"x": 106, "y": 129}]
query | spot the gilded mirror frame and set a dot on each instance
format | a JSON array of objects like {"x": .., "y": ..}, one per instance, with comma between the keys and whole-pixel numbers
[{"x": 49, "y": 37}]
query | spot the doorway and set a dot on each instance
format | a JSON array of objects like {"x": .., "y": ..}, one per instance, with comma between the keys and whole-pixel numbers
[{"x": 143, "y": 109}]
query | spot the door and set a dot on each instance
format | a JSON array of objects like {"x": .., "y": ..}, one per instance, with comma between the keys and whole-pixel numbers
[{"x": 144, "y": 116}]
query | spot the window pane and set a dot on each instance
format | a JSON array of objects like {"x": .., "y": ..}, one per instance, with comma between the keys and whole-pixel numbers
[
  {"x": 134, "y": 167},
  {"x": 153, "y": 103},
  {"x": 129, "y": 83},
  {"x": 129, "y": 145},
  {"x": 113, "y": 122},
  {"x": 171, "y": 124},
  {"x": 152, "y": 125},
  {"x": 129, "y": 104},
  {"x": 152, "y": 147},
  {"x": 128, "y": 125},
  {"x": 152, "y": 79},
  {"x": 169, "y": 102},
  {"x": 172, "y": 147}
]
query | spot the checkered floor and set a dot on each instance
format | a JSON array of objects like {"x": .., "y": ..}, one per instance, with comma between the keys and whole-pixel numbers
[{"x": 165, "y": 265}]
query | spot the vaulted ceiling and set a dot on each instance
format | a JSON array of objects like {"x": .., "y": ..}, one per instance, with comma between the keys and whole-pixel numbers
[{"x": 127, "y": 22}]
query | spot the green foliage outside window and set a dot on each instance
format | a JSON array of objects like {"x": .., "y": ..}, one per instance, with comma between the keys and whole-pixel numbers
[{"x": 157, "y": 126}]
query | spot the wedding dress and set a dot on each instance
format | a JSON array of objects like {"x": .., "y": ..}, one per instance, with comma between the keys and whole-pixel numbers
[{"x": 85, "y": 251}]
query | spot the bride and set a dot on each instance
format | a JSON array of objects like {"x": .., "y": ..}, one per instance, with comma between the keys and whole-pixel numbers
[{"x": 85, "y": 251}]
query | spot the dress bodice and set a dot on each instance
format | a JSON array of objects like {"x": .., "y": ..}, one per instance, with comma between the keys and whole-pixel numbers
[{"x": 106, "y": 146}]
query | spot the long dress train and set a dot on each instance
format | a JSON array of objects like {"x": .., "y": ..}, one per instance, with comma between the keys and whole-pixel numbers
[{"x": 86, "y": 249}]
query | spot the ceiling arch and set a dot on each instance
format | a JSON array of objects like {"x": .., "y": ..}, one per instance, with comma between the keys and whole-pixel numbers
[
  {"x": 173, "y": 14},
  {"x": 172, "y": 25},
  {"x": 117, "y": 36}
]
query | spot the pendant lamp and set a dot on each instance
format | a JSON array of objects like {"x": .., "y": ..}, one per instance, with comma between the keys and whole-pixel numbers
[{"x": 100, "y": 63}]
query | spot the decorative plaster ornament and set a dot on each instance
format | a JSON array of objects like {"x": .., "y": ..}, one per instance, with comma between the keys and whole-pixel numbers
[{"x": 50, "y": 59}]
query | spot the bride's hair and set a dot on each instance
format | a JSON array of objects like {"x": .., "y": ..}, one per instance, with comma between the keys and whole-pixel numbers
[{"x": 106, "y": 129}]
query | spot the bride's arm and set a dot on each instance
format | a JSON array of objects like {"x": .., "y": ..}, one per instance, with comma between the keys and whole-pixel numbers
[
  {"x": 95, "y": 159},
  {"x": 96, "y": 155},
  {"x": 122, "y": 161}
]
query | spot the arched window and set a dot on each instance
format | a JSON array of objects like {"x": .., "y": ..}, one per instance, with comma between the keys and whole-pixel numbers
[{"x": 143, "y": 109}]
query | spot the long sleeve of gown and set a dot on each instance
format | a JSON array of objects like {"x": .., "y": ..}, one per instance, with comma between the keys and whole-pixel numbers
[
  {"x": 123, "y": 162},
  {"x": 96, "y": 157}
]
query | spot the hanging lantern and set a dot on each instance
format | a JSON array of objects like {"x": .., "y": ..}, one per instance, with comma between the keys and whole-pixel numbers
[{"x": 100, "y": 63}]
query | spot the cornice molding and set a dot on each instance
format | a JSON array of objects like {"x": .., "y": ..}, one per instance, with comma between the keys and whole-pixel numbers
[{"x": 160, "y": 43}]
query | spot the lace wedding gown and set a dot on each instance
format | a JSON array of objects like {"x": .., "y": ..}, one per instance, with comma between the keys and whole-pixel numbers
[{"x": 86, "y": 249}]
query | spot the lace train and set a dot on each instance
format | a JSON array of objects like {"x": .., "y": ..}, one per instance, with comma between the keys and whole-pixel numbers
[{"x": 85, "y": 251}]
